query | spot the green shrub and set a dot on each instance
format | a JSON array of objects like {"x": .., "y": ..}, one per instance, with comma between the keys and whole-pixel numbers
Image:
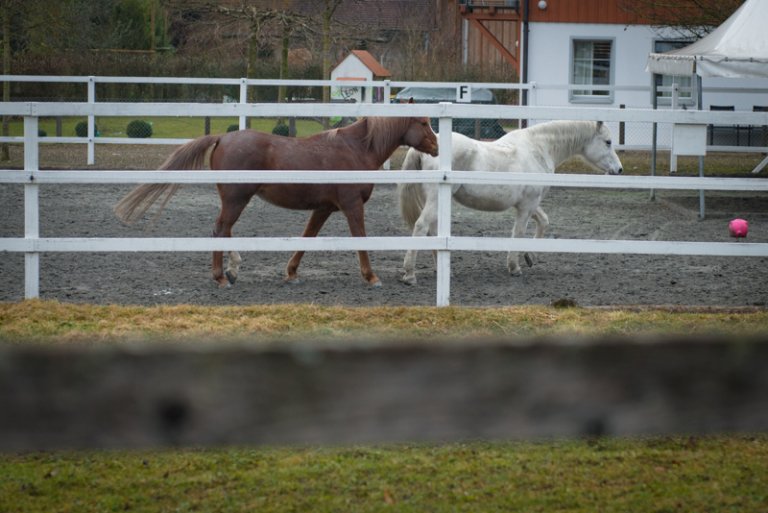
[
  {"x": 81, "y": 129},
  {"x": 139, "y": 128},
  {"x": 233, "y": 128},
  {"x": 42, "y": 133},
  {"x": 281, "y": 129}
]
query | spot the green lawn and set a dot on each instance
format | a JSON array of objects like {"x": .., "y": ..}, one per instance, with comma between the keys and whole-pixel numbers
[
  {"x": 162, "y": 127},
  {"x": 678, "y": 474}
]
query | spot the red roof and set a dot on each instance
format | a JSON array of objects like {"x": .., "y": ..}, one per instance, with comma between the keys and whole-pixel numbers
[{"x": 371, "y": 63}]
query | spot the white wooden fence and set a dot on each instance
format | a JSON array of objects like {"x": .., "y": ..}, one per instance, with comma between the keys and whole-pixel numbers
[
  {"x": 632, "y": 136},
  {"x": 444, "y": 243}
]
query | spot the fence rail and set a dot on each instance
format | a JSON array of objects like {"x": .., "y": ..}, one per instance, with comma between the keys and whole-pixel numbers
[
  {"x": 637, "y": 139},
  {"x": 453, "y": 110},
  {"x": 196, "y": 394},
  {"x": 32, "y": 178}
]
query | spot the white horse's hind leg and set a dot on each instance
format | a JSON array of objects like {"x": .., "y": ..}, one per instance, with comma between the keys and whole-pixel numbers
[
  {"x": 518, "y": 230},
  {"x": 233, "y": 266},
  {"x": 542, "y": 223},
  {"x": 425, "y": 225}
]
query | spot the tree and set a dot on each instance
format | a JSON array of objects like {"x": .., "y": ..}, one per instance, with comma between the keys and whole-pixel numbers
[
  {"x": 260, "y": 25},
  {"x": 8, "y": 9},
  {"x": 330, "y": 7},
  {"x": 50, "y": 27},
  {"x": 286, "y": 24},
  {"x": 691, "y": 18}
]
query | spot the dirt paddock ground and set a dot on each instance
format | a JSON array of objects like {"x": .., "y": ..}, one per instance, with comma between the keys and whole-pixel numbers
[{"x": 478, "y": 278}]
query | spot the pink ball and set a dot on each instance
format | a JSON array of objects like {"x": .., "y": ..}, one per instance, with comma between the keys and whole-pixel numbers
[{"x": 738, "y": 228}]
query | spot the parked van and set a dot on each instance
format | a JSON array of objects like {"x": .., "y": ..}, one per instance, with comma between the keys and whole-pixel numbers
[{"x": 475, "y": 128}]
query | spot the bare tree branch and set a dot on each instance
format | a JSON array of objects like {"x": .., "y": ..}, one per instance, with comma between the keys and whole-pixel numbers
[{"x": 690, "y": 18}]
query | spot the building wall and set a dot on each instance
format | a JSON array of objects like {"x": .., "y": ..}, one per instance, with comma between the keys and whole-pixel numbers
[
  {"x": 351, "y": 68},
  {"x": 482, "y": 53},
  {"x": 580, "y": 11},
  {"x": 550, "y": 57},
  {"x": 470, "y": 47},
  {"x": 550, "y": 61}
]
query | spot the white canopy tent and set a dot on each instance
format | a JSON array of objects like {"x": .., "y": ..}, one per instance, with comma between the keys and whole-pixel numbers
[{"x": 736, "y": 49}]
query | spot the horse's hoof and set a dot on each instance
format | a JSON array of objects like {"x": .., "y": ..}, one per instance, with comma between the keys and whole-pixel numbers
[
  {"x": 408, "y": 280},
  {"x": 528, "y": 259},
  {"x": 376, "y": 285},
  {"x": 231, "y": 278},
  {"x": 223, "y": 284},
  {"x": 293, "y": 281},
  {"x": 515, "y": 272}
]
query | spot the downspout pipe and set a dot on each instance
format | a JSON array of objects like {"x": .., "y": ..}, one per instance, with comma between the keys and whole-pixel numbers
[{"x": 526, "y": 14}]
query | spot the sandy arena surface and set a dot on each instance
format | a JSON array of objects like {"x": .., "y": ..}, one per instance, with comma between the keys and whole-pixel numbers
[{"x": 478, "y": 278}]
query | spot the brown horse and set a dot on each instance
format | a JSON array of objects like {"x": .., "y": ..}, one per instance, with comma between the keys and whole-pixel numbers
[{"x": 366, "y": 144}]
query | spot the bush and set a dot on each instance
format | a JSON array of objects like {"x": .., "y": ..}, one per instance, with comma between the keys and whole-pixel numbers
[
  {"x": 81, "y": 129},
  {"x": 233, "y": 128},
  {"x": 139, "y": 128},
  {"x": 42, "y": 133},
  {"x": 281, "y": 129}
]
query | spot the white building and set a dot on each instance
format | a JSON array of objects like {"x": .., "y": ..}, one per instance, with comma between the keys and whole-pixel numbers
[
  {"x": 358, "y": 66},
  {"x": 596, "y": 43}
]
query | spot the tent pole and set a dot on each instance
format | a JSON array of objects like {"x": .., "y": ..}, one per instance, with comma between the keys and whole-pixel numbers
[{"x": 675, "y": 102}]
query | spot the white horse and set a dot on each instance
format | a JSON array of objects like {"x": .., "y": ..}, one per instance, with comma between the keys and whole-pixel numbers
[{"x": 538, "y": 149}]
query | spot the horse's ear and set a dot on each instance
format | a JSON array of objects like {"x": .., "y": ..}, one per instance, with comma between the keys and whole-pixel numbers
[{"x": 410, "y": 100}]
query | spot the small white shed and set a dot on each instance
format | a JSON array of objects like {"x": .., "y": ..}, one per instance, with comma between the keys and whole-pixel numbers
[{"x": 359, "y": 65}]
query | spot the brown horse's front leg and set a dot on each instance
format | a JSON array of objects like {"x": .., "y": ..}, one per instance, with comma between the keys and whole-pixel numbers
[
  {"x": 315, "y": 223},
  {"x": 366, "y": 270},
  {"x": 355, "y": 219},
  {"x": 217, "y": 268}
]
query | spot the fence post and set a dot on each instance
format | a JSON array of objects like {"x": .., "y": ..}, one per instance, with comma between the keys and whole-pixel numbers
[
  {"x": 699, "y": 101},
  {"x": 387, "y": 91},
  {"x": 654, "y": 133},
  {"x": 243, "y": 100},
  {"x": 31, "y": 206},
  {"x": 445, "y": 127},
  {"x": 622, "y": 128},
  {"x": 91, "y": 121},
  {"x": 672, "y": 154}
]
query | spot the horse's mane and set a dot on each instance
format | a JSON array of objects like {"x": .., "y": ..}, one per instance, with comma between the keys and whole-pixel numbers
[
  {"x": 568, "y": 133},
  {"x": 381, "y": 131},
  {"x": 561, "y": 129}
]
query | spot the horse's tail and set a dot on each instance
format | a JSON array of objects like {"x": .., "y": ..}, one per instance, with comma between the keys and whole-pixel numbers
[
  {"x": 412, "y": 196},
  {"x": 188, "y": 156}
]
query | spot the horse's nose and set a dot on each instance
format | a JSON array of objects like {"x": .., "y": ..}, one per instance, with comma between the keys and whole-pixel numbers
[{"x": 621, "y": 170}]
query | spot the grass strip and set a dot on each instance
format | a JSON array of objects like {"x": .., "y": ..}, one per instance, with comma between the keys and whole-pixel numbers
[
  {"x": 678, "y": 474},
  {"x": 56, "y": 322}
]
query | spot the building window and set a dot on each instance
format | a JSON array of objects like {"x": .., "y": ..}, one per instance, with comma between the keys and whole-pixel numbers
[
  {"x": 685, "y": 84},
  {"x": 592, "y": 65}
]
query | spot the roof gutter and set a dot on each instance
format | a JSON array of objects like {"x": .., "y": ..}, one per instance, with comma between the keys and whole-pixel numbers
[{"x": 524, "y": 71}]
